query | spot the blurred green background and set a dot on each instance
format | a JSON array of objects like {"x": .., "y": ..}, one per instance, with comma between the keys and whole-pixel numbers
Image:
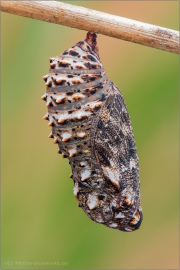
[{"x": 42, "y": 227}]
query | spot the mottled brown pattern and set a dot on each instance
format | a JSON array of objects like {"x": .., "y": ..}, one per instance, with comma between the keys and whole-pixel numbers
[{"x": 92, "y": 128}]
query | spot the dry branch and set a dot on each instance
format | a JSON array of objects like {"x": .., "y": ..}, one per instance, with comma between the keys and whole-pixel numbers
[{"x": 95, "y": 21}]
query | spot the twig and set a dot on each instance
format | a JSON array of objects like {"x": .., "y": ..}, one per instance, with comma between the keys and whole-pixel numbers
[{"x": 95, "y": 21}]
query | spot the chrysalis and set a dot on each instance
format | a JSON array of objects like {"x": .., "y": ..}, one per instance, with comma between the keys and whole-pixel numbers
[{"x": 92, "y": 128}]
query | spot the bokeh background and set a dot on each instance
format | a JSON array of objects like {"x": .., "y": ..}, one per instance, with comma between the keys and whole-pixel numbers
[{"x": 42, "y": 227}]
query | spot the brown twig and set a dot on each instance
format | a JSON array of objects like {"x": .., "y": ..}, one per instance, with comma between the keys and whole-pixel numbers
[{"x": 95, "y": 21}]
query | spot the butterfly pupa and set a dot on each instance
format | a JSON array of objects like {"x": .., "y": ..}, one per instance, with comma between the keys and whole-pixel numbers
[{"x": 90, "y": 124}]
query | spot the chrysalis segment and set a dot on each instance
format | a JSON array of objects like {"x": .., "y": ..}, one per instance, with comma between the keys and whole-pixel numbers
[{"x": 92, "y": 128}]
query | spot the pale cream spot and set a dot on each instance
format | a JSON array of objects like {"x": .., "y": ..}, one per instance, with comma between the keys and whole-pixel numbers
[
  {"x": 128, "y": 230},
  {"x": 55, "y": 139},
  {"x": 132, "y": 164},
  {"x": 61, "y": 77},
  {"x": 86, "y": 152},
  {"x": 114, "y": 204},
  {"x": 92, "y": 201},
  {"x": 48, "y": 100},
  {"x": 112, "y": 174},
  {"x": 99, "y": 220},
  {"x": 48, "y": 81},
  {"x": 83, "y": 164},
  {"x": 113, "y": 225},
  {"x": 120, "y": 215},
  {"x": 80, "y": 114},
  {"x": 85, "y": 175},
  {"x": 66, "y": 136},
  {"x": 60, "y": 98},
  {"x": 81, "y": 134},
  {"x": 75, "y": 191},
  {"x": 93, "y": 104},
  {"x": 51, "y": 120},
  {"x": 63, "y": 116},
  {"x": 72, "y": 152},
  {"x": 125, "y": 129},
  {"x": 123, "y": 168}
]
